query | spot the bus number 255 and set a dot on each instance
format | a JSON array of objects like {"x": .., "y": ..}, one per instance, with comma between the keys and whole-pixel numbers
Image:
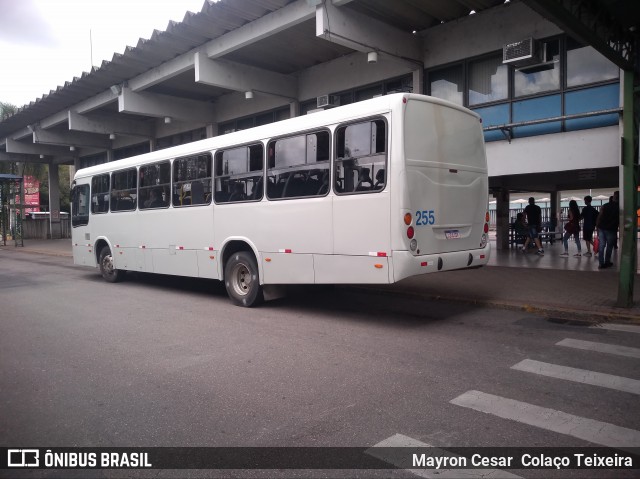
[{"x": 425, "y": 217}]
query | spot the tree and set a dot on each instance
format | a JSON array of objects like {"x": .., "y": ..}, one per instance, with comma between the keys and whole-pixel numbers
[
  {"x": 39, "y": 170},
  {"x": 7, "y": 110}
]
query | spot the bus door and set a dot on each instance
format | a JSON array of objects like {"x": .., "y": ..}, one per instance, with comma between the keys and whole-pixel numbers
[
  {"x": 297, "y": 223},
  {"x": 82, "y": 243},
  {"x": 361, "y": 211}
]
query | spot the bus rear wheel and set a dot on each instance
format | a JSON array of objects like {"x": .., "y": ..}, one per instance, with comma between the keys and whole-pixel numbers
[
  {"x": 242, "y": 280},
  {"x": 107, "y": 267}
]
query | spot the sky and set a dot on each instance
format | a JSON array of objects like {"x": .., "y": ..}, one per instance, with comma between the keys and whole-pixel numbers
[{"x": 44, "y": 43}]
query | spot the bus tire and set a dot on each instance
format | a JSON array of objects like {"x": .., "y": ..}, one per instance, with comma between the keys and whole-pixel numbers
[
  {"x": 107, "y": 269},
  {"x": 242, "y": 280}
]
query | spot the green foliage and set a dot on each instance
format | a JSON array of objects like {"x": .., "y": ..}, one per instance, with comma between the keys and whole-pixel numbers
[
  {"x": 7, "y": 110},
  {"x": 38, "y": 170}
]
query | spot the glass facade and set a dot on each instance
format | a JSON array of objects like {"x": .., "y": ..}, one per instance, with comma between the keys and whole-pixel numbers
[
  {"x": 448, "y": 84},
  {"x": 585, "y": 65},
  {"x": 569, "y": 78},
  {"x": 488, "y": 80}
]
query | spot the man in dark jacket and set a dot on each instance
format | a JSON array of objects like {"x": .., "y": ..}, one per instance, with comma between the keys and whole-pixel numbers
[
  {"x": 607, "y": 225},
  {"x": 534, "y": 222},
  {"x": 589, "y": 216}
]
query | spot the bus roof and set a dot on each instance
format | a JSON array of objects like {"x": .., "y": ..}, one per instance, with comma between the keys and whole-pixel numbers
[{"x": 339, "y": 114}]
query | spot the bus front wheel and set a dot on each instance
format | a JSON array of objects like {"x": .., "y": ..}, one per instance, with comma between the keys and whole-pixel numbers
[
  {"x": 242, "y": 281},
  {"x": 107, "y": 268}
]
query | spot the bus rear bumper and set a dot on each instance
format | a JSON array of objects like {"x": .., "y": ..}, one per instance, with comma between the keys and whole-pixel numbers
[{"x": 406, "y": 264}]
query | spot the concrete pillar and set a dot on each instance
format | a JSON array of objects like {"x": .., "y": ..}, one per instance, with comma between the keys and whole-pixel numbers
[
  {"x": 503, "y": 220},
  {"x": 418, "y": 81},
  {"x": 54, "y": 202},
  {"x": 555, "y": 210},
  {"x": 294, "y": 109},
  {"x": 212, "y": 130}
]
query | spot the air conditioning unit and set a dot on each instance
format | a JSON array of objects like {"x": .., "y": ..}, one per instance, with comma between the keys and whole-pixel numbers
[
  {"x": 328, "y": 101},
  {"x": 522, "y": 53}
]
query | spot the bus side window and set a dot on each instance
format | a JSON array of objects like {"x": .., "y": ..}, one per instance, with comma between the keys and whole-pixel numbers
[
  {"x": 297, "y": 166},
  {"x": 100, "y": 194},
  {"x": 124, "y": 190},
  {"x": 192, "y": 180},
  {"x": 239, "y": 174},
  {"x": 360, "y": 156},
  {"x": 153, "y": 185}
]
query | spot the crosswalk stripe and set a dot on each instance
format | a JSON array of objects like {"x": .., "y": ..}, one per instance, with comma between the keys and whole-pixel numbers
[
  {"x": 600, "y": 347},
  {"x": 584, "y": 376},
  {"x": 400, "y": 440},
  {"x": 628, "y": 328},
  {"x": 587, "y": 429}
]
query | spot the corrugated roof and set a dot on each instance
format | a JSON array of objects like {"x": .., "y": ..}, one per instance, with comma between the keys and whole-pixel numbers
[
  {"x": 285, "y": 52},
  {"x": 214, "y": 20}
]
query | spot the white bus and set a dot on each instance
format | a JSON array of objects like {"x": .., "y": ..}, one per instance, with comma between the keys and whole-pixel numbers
[{"x": 371, "y": 192}]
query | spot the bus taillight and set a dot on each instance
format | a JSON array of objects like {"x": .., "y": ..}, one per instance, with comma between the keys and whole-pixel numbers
[
  {"x": 410, "y": 232},
  {"x": 485, "y": 237}
]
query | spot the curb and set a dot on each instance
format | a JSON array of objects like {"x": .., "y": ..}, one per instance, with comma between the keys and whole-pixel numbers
[
  {"x": 599, "y": 315},
  {"x": 592, "y": 316},
  {"x": 21, "y": 249}
]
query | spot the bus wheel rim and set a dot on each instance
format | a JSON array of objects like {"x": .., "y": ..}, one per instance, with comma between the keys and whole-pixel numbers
[
  {"x": 107, "y": 264},
  {"x": 241, "y": 279}
]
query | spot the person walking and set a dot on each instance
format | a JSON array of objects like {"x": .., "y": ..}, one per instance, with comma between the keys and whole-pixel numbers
[
  {"x": 607, "y": 225},
  {"x": 572, "y": 228},
  {"x": 589, "y": 216},
  {"x": 534, "y": 223}
]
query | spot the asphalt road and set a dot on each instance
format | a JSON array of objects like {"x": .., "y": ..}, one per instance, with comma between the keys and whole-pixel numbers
[{"x": 166, "y": 361}]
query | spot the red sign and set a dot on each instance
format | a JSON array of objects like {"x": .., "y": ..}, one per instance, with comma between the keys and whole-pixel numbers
[{"x": 31, "y": 187}]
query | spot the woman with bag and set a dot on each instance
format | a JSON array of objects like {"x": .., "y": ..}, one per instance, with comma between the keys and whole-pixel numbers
[{"x": 572, "y": 228}]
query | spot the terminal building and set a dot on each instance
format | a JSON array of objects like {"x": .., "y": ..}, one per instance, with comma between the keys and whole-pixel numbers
[{"x": 546, "y": 76}]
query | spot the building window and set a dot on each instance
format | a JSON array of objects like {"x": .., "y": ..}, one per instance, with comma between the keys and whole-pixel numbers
[
  {"x": 181, "y": 138},
  {"x": 448, "y": 84},
  {"x": 537, "y": 109},
  {"x": 567, "y": 79},
  {"x": 585, "y": 65},
  {"x": 92, "y": 160},
  {"x": 368, "y": 93},
  {"x": 542, "y": 77},
  {"x": 133, "y": 150},
  {"x": 263, "y": 118},
  {"x": 492, "y": 116},
  {"x": 488, "y": 80},
  {"x": 592, "y": 99},
  {"x": 395, "y": 85}
]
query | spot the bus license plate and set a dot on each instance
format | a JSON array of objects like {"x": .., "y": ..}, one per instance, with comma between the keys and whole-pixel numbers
[{"x": 452, "y": 234}]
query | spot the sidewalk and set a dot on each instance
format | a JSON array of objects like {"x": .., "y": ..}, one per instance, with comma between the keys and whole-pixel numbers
[{"x": 550, "y": 284}]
